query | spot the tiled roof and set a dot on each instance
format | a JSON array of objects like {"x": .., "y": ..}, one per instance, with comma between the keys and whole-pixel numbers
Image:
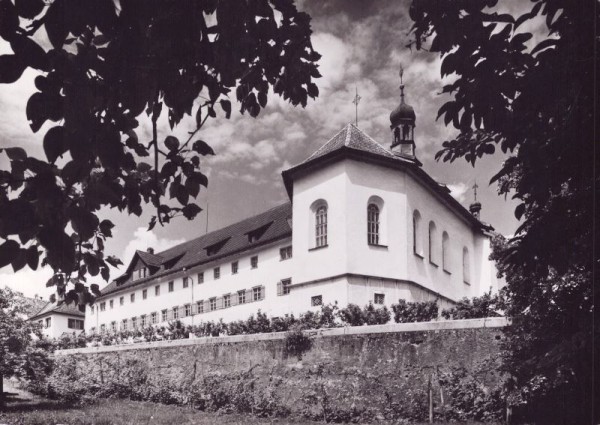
[
  {"x": 64, "y": 308},
  {"x": 351, "y": 137},
  {"x": 226, "y": 241},
  {"x": 150, "y": 259}
]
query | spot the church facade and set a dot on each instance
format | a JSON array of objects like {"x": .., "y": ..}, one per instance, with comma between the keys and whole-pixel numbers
[{"x": 365, "y": 224}]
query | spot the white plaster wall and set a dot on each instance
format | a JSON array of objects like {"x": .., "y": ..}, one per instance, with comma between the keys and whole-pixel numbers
[
  {"x": 269, "y": 272},
  {"x": 59, "y": 324},
  {"x": 330, "y": 184},
  {"x": 332, "y": 290}
]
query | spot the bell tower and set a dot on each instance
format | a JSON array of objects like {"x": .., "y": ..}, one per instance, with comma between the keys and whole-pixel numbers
[{"x": 402, "y": 124}]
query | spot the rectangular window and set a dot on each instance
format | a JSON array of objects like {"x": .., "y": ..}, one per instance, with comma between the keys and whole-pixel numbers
[
  {"x": 113, "y": 326},
  {"x": 171, "y": 286},
  {"x": 200, "y": 278},
  {"x": 142, "y": 273},
  {"x": 321, "y": 226},
  {"x": 102, "y": 306},
  {"x": 226, "y": 300},
  {"x": 103, "y": 328},
  {"x": 200, "y": 305},
  {"x": 92, "y": 308},
  {"x": 157, "y": 290},
  {"x": 188, "y": 310},
  {"x": 154, "y": 318},
  {"x": 241, "y": 297},
  {"x": 234, "y": 267},
  {"x": 316, "y": 300},
  {"x": 379, "y": 299},
  {"x": 257, "y": 293},
  {"x": 134, "y": 323},
  {"x": 143, "y": 321},
  {"x": 111, "y": 303},
  {"x": 254, "y": 262},
  {"x": 175, "y": 313},
  {"x": 163, "y": 315},
  {"x": 74, "y": 324},
  {"x": 186, "y": 283},
  {"x": 122, "y": 301},
  {"x": 217, "y": 273},
  {"x": 124, "y": 324},
  {"x": 132, "y": 297},
  {"x": 48, "y": 321},
  {"x": 285, "y": 253},
  {"x": 212, "y": 304},
  {"x": 144, "y": 294},
  {"x": 284, "y": 286}
]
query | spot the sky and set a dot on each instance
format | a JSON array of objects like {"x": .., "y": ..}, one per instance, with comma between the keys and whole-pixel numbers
[{"x": 363, "y": 44}]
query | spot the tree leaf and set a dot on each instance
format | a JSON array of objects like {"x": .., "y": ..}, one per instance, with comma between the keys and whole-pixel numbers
[
  {"x": 202, "y": 148},
  {"x": 8, "y": 251},
  {"x": 11, "y": 68},
  {"x": 55, "y": 143},
  {"x": 226, "y": 105},
  {"x": 172, "y": 143},
  {"x": 33, "y": 257},
  {"x": 190, "y": 211}
]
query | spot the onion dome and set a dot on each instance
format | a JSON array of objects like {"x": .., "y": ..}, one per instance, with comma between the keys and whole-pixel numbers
[{"x": 403, "y": 113}]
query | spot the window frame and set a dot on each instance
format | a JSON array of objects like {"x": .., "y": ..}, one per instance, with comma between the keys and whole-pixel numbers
[
  {"x": 241, "y": 296},
  {"x": 157, "y": 290},
  {"x": 185, "y": 282},
  {"x": 321, "y": 223},
  {"x": 254, "y": 262},
  {"x": 316, "y": 300},
  {"x": 200, "y": 277},
  {"x": 217, "y": 273},
  {"x": 235, "y": 267},
  {"x": 285, "y": 253},
  {"x": 379, "y": 298},
  {"x": 171, "y": 286},
  {"x": 373, "y": 224}
]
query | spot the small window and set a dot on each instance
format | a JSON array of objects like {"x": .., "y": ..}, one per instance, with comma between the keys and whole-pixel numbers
[
  {"x": 283, "y": 287},
  {"x": 186, "y": 282},
  {"x": 134, "y": 323},
  {"x": 144, "y": 294},
  {"x": 257, "y": 293},
  {"x": 187, "y": 310},
  {"x": 379, "y": 299},
  {"x": 373, "y": 224},
  {"x": 143, "y": 322},
  {"x": 113, "y": 326},
  {"x": 171, "y": 286},
  {"x": 217, "y": 273},
  {"x": 234, "y": 267},
  {"x": 226, "y": 300},
  {"x": 254, "y": 262},
  {"x": 132, "y": 297},
  {"x": 417, "y": 244},
  {"x": 74, "y": 324},
  {"x": 122, "y": 301},
  {"x": 163, "y": 316},
  {"x": 200, "y": 278},
  {"x": 200, "y": 305},
  {"x": 124, "y": 324},
  {"x": 446, "y": 252},
  {"x": 111, "y": 304},
  {"x": 433, "y": 244},
  {"x": 103, "y": 328},
  {"x": 157, "y": 290},
  {"x": 48, "y": 322},
  {"x": 317, "y": 300},
  {"x": 175, "y": 313},
  {"x": 241, "y": 297},
  {"x": 212, "y": 304},
  {"x": 154, "y": 318},
  {"x": 102, "y": 306},
  {"x": 321, "y": 226},
  {"x": 285, "y": 253}
]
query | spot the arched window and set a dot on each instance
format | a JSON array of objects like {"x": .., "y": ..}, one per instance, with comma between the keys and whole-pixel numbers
[
  {"x": 417, "y": 244},
  {"x": 466, "y": 266},
  {"x": 321, "y": 226},
  {"x": 373, "y": 224},
  {"x": 446, "y": 252},
  {"x": 433, "y": 243}
]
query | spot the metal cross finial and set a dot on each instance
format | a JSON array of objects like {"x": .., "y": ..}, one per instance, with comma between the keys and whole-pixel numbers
[
  {"x": 401, "y": 73},
  {"x": 355, "y": 101},
  {"x": 475, "y": 186}
]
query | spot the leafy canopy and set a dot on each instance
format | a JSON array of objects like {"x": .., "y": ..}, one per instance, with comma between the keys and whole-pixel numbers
[{"x": 110, "y": 62}]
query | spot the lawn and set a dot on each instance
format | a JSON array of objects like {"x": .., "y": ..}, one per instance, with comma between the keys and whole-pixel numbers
[{"x": 24, "y": 408}]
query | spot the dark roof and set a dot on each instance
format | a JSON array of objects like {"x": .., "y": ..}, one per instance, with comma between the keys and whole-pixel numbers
[
  {"x": 224, "y": 242},
  {"x": 52, "y": 308},
  {"x": 351, "y": 142},
  {"x": 150, "y": 259}
]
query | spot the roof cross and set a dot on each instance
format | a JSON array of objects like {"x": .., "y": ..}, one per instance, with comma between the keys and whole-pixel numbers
[
  {"x": 355, "y": 101},
  {"x": 475, "y": 187}
]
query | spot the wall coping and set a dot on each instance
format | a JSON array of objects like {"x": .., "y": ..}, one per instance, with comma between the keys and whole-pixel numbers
[{"x": 438, "y": 325}]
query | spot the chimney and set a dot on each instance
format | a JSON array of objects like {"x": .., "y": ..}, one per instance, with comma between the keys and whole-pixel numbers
[
  {"x": 150, "y": 250},
  {"x": 475, "y": 209}
]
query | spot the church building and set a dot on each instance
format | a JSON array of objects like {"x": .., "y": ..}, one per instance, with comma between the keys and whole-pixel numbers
[{"x": 364, "y": 224}]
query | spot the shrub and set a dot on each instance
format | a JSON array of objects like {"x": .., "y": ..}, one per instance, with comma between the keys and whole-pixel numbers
[
  {"x": 352, "y": 315},
  {"x": 405, "y": 312},
  {"x": 296, "y": 343},
  {"x": 475, "y": 308}
]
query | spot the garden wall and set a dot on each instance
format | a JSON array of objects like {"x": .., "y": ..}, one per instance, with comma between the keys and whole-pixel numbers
[{"x": 368, "y": 372}]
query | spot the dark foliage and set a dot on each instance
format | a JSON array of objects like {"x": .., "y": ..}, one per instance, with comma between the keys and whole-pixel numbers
[
  {"x": 476, "y": 308},
  {"x": 109, "y": 63},
  {"x": 405, "y": 312}
]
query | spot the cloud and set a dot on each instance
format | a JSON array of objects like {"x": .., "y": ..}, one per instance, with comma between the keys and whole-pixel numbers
[
  {"x": 29, "y": 282},
  {"x": 458, "y": 190},
  {"x": 144, "y": 239}
]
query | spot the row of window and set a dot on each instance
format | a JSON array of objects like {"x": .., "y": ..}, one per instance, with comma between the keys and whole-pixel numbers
[
  {"x": 434, "y": 246},
  {"x": 71, "y": 323},
  {"x": 285, "y": 253},
  {"x": 254, "y": 294},
  {"x": 317, "y": 300}
]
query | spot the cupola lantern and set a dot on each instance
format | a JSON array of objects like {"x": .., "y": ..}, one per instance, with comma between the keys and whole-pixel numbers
[{"x": 402, "y": 124}]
